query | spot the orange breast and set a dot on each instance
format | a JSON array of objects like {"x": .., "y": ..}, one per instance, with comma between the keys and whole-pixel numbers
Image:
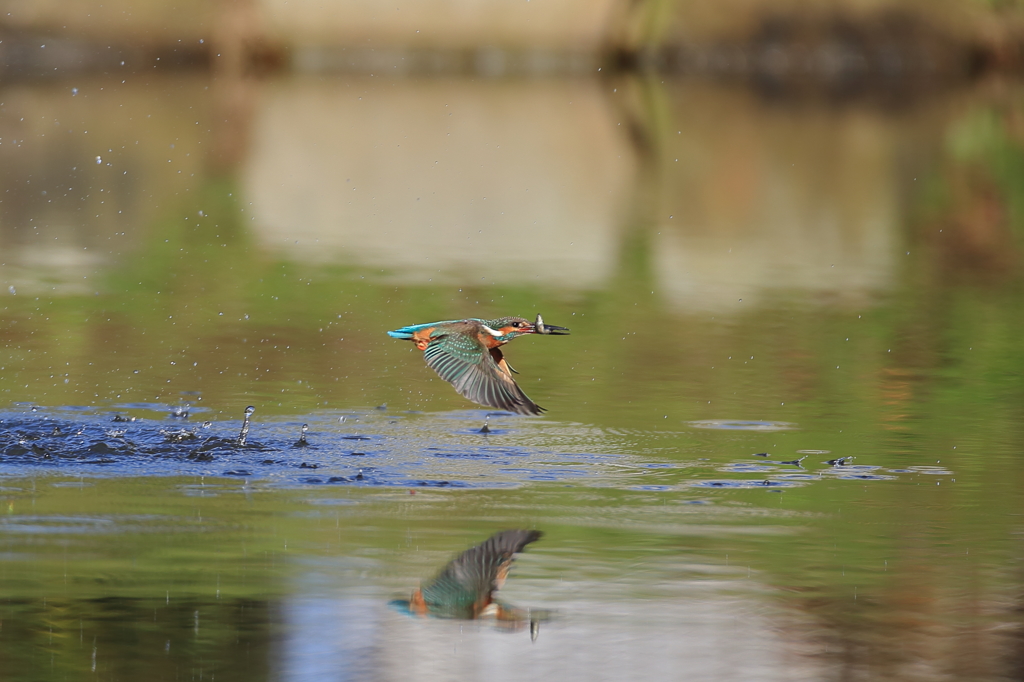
[
  {"x": 489, "y": 341},
  {"x": 418, "y": 604},
  {"x": 422, "y": 337}
]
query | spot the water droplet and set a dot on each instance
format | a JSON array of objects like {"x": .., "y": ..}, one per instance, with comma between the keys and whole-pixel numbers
[{"x": 99, "y": 159}]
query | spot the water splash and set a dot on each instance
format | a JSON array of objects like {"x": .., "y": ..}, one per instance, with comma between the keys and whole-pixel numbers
[
  {"x": 302, "y": 442},
  {"x": 244, "y": 433}
]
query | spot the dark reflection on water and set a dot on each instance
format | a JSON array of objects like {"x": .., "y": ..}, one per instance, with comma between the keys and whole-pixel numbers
[
  {"x": 788, "y": 415},
  {"x": 122, "y": 638}
]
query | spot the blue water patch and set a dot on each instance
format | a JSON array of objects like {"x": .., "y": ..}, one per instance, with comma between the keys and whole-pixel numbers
[
  {"x": 743, "y": 467},
  {"x": 371, "y": 449},
  {"x": 368, "y": 448}
]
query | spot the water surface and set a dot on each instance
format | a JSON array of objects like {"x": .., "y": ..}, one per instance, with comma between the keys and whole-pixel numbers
[{"x": 756, "y": 289}]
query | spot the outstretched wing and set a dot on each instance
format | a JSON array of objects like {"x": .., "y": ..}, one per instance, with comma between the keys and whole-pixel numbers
[
  {"x": 467, "y": 584},
  {"x": 478, "y": 374}
]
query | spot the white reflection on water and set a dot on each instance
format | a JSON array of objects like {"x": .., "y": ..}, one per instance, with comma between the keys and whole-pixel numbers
[
  {"x": 538, "y": 182},
  {"x": 684, "y": 630},
  {"x": 767, "y": 199},
  {"x": 478, "y": 183},
  {"x": 327, "y": 637},
  {"x": 512, "y": 182}
]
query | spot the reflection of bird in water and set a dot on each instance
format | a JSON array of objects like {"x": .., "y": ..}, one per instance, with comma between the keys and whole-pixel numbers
[
  {"x": 465, "y": 588},
  {"x": 467, "y": 354}
]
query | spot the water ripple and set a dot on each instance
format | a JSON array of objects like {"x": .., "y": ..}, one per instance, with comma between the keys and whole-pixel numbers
[{"x": 742, "y": 425}]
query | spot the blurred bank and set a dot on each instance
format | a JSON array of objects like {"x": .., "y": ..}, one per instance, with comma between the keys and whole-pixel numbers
[{"x": 841, "y": 45}]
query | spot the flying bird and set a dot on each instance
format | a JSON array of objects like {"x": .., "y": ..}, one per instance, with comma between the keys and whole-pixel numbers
[
  {"x": 465, "y": 587},
  {"x": 467, "y": 354}
]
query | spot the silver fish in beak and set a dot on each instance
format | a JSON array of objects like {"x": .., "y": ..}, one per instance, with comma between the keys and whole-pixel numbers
[{"x": 541, "y": 328}]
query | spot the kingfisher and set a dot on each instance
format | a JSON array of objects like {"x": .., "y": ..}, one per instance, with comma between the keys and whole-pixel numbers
[
  {"x": 467, "y": 354},
  {"x": 465, "y": 587}
]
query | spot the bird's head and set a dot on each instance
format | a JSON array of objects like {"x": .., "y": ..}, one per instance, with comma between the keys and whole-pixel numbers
[{"x": 511, "y": 327}]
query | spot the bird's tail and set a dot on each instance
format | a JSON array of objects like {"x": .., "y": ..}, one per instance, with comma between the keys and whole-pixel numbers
[{"x": 407, "y": 332}]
